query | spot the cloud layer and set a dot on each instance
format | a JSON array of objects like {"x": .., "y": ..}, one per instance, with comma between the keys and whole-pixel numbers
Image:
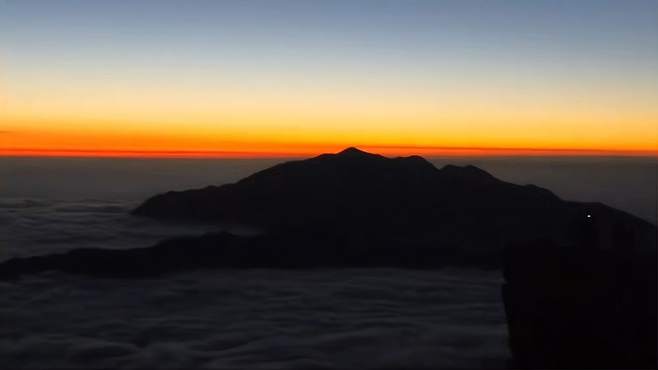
[{"x": 378, "y": 318}]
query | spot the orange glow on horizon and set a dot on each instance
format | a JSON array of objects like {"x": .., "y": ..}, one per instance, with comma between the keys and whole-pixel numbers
[
  {"x": 308, "y": 151},
  {"x": 78, "y": 138}
]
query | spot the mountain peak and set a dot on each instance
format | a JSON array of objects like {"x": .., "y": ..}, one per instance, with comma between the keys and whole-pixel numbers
[{"x": 353, "y": 151}]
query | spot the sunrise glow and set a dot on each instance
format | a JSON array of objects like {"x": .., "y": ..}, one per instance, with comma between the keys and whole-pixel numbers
[{"x": 223, "y": 79}]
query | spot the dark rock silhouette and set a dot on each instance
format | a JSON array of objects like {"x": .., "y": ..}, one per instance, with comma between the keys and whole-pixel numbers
[{"x": 589, "y": 305}]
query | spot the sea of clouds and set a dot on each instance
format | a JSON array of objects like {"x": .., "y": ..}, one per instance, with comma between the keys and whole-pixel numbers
[
  {"x": 355, "y": 318},
  {"x": 334, "y": 318},
  {"x": 41, "y": 226}
]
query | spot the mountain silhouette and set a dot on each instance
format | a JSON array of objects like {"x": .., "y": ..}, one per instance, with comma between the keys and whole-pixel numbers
[
  {"x": 357, "y": 209},
  {"x": 407, "y": 198}
]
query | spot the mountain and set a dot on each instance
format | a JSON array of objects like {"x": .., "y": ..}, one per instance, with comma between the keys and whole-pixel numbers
[
  {"x": 358, "y": 209},
  {"x": 406, "y": 198}
]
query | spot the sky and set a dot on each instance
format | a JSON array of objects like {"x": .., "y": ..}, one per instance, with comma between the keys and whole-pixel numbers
[{"x": 210, "y": 77}]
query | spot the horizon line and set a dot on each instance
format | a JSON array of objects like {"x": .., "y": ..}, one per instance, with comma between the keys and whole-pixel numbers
[{"x": 291, "y": 153}]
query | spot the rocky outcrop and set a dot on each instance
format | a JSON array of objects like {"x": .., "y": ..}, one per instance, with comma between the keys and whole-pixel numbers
[{"x": 586, "y": 305}]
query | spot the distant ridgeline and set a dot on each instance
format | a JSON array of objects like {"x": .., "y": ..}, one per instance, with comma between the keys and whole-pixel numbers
[{"x": 580, "y": 287}]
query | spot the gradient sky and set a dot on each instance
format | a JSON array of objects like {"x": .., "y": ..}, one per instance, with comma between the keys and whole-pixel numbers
[{"x": 270, "y": 76}]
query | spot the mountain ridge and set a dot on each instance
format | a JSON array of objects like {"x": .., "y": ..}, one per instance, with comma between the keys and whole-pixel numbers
[{"x": 354, "y": 189}]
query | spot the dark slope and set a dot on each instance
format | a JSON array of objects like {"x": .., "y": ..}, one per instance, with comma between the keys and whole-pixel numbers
[{"x": 285, "y": 249}]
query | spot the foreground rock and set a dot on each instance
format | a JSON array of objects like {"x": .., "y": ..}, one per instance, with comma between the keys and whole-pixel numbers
[{"x": 588, "y": 305}]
